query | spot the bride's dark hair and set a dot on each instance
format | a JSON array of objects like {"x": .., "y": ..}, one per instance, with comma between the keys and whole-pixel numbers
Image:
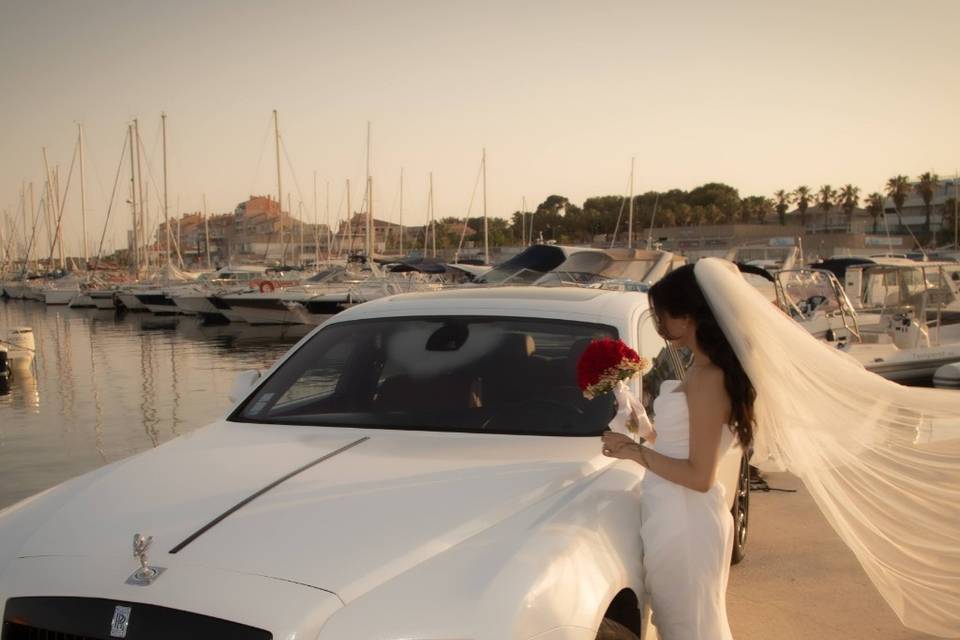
[{"x": 679, "y": 295}]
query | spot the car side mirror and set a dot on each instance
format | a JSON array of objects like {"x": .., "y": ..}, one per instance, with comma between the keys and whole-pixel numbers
[{"x": 242, "y": 384}]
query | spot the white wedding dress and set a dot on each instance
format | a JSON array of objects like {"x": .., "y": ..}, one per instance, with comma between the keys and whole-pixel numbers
[{"x": 687, "y": 536}]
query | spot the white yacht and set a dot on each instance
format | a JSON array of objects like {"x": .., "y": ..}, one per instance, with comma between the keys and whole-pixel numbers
[
  {"x": 904, "y": 339},
  {"x": 196, "y": 299},
  {"x": 319, "y": 297}
]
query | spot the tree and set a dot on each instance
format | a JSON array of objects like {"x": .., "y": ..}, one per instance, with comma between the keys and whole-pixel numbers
[
  {"x": 783, "y": 204},
  {"x": 897, "y": 189},
  {"x": 603, "y": 212},
  {"x": 722, "y": 196},
  {"x": 801, "y": 195},
  {"x": 849, "y": 199},
  {"x": 684, "y": 214},
  {"x": 548, "y": 219},
  {"x": 875, "y": 207},
  {"x": 948, "y": 211},
  {"x": 764, "y": 209},
  {"x": 927, "y": 184},
  {"x": 755, "y": 208},
  {"x": 826, "y": 199}
]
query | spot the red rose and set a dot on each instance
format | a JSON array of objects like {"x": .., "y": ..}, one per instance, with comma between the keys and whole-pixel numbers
[{"x": 603, "y": 363}]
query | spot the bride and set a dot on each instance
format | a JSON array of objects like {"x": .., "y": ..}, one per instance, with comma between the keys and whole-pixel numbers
[{"x": 881, "y": 460}]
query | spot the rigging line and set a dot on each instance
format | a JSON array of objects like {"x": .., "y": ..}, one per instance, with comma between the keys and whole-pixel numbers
[
  {"x": 263, "y": 144},
  {"x": 66, "y": 190},
  {"x": 623, "y": 204},
  {"x": 90, "y": 161},
  {"x": 36, "y": 220},
  {"x": 393, "y": 207},
  {"x": 113, "y": 194},
  {"x": 293, "y": 174},
  {"x": 13, "y": 230},
  {"x": 337, "y": 216},
  {"x": 473, "y": 195}
]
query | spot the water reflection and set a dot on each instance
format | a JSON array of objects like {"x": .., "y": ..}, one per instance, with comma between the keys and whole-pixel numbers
[
  {"x": 114, "y": 385},
  {"x": 20, "y": 390}
]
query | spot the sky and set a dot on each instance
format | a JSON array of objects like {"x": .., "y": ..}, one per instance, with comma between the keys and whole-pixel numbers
[{"x": 758, "y": 94}]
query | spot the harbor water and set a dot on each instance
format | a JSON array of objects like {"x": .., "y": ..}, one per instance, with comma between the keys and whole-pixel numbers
[{"x": 102, "y": 387}]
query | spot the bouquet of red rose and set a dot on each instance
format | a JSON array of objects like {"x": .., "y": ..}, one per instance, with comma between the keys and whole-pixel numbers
[{"x": 604, "y": 366}]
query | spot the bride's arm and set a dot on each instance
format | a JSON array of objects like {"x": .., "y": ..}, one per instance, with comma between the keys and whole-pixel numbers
[{"x": 709, "y": 407}]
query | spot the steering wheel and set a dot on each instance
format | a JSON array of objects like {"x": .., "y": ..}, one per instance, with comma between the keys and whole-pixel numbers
[{"x": 811, "y": 304}]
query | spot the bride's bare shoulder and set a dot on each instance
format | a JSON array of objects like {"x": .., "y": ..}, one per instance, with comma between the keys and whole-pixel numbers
[{"x": 705, "y": 385}]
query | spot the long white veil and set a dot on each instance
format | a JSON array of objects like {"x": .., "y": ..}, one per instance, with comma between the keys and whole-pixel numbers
[{"x": 881, "y": 460}]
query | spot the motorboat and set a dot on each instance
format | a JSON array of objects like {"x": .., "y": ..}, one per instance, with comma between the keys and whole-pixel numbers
[
  {"x": 904, "y": 340},
  {"x": 319, "y": 297},
  {"x": 196, "y": 299}
]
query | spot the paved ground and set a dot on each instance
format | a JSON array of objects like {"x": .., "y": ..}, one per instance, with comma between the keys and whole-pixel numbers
[{"x": 799, "y": 581}]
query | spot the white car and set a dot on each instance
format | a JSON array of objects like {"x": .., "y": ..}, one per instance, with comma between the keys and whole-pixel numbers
[{"x": 419, "y": 467}]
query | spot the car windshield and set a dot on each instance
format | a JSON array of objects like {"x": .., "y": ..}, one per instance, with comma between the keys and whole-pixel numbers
[{"x": 457, "y": 373}]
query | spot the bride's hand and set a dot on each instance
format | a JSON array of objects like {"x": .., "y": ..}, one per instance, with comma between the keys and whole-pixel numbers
[{"x": 614, "y": 444}]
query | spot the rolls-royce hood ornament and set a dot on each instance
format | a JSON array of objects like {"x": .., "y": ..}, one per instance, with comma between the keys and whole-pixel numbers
[{"x": 146, "y": 574}]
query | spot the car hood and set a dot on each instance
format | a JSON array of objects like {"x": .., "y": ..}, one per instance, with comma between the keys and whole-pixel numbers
[{"x": 369, "y": 505}]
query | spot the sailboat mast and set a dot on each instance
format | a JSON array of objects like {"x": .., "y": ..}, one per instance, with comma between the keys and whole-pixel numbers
[
  {"x": 143, "y": 222},
  {"x": 630, "y": 216},
  {"x": 349, "y": 220},
  {"x": 433, "y": 222},
  {"x": 276, "y": 138},
  {"x": 166, "y": 211},
  {"x": 316, "y": 226},
  {"x": 369, "y": 247},
  {"x": 83, "y": 199},
  {"x": 133, "y": 199},
  {"x": 206, "y": 233},
  {"x": 48, "y": 204},
  {"x": 369, "y": 239},
  {"x": 486, "y": 235},
  {"x": 23, "y": 230},
  {"x": 300, "y": 213},
  {"x": 34, "y": 230},
  {"x": 329, "y": 228},
  {"x": 58, "y": 207},
  {"x": 401, "y": 211}
]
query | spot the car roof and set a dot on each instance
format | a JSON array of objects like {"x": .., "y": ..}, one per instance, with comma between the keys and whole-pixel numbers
[{"x": 564, "y": 302}]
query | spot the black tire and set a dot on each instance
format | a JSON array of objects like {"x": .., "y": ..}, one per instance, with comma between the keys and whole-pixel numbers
[
  {"x": 613, "y": 630},
  {"x": 741, "y": 513}
]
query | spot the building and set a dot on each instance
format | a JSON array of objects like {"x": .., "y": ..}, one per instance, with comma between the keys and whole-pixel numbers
[
  {"x": 352, "y": 234},
  {"x": 262, "y": 230},
  {"x": 913, "y": 214}
]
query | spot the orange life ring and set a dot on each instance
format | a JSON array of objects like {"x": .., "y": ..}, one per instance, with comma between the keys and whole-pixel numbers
[{"x": 266, "y": 287}]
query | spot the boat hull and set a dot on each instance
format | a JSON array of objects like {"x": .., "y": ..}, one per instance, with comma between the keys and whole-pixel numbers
[
  {"x": 130, "y": 302},
  {"x": 60, "y": 296},
  {"x": 82, "y": 301},
  {"x": 158, "y": 302},
  {"x": 103, "y": 300}
]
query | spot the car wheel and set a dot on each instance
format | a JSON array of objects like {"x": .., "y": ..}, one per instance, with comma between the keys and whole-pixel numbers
[
  {"x": 613, "y": 630},
  {"x": 741, "y": 513}
]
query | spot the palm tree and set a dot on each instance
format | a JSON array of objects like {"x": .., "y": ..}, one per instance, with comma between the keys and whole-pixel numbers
[
  {"x": 783, "y": 203},
  {"x": 849, "y": 198},
  {"x": 765, "y": 209},
  {"x": 897, "y": 189},
  {"x": 875, "y": 207},
  {"x": 925, "y": 188},
  {"x": 801, "y": 195},
  {"x": 826, "y": 199}
]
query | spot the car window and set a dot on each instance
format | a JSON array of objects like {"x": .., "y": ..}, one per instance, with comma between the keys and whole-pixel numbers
[
  {"x": 670, "y": 363},
  {"x": 472, "y": 374}
]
